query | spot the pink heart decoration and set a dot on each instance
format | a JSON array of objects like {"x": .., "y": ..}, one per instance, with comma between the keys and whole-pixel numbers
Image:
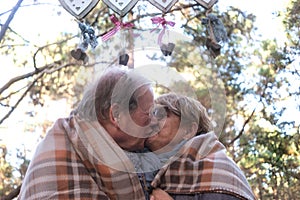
[{"x": 79, "y": 8}]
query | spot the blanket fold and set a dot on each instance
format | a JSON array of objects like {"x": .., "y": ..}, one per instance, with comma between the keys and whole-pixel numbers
[
  {"x": 79, "y": 160},
  {"x": 203, "y": 166}
]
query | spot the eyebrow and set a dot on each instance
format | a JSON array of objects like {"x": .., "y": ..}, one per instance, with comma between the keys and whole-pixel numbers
[{"x": 176, "y": 112}]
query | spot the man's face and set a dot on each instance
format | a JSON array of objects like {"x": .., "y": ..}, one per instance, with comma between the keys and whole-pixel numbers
[{"x": 137, "y": 126}]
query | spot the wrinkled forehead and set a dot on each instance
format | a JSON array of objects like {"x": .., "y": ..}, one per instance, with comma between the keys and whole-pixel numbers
[{"x": 145, "y": 96}]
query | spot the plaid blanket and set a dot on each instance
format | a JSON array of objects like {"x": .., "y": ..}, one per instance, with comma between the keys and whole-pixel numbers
[
  {"x": 203, "y": 166},
  {"x": 79, "y": 160}
]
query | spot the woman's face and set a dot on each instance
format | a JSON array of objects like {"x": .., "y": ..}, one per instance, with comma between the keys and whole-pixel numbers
[{"x": 168, "y": 131}]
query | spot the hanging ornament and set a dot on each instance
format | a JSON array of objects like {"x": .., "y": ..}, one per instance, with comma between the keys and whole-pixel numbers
[
  {"x": 123, "y": 56},
  {"x": 207, "y": 4},
  {"x": 216, "y": 27},
  {"x": 123, "y": 59},
  {"x": 168, "y": 48},
  {"x": 79, "y": 8},
  {"x": 88, "y": 37},
  {"x": 118, "y": 26},
  {"x": 78, "y": 54},
  {"x": 122, "y": 7},
  {"x": 217, "y": 34},
  {"x": 163, "y": 5}
]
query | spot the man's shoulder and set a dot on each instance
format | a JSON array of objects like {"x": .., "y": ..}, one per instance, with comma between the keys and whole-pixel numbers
[{"x": 60, "y": 126}]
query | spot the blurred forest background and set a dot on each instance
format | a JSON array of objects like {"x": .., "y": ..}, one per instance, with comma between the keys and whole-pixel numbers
[{"x": 261, "y": 79}]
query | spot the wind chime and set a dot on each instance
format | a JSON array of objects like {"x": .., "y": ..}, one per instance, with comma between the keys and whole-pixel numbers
[{"x": 80, "y": 8}]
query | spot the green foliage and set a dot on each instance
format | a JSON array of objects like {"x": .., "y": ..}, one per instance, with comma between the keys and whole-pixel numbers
[
  {"x": 272, "y": 162},
  {"x": 7, "y": 179}
]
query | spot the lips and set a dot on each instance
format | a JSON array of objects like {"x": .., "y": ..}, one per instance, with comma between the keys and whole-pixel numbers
[
  {"x": 150, "y": 134},
  {"x": 152, "y": 137},
  {"x": 154, "y": 131}
]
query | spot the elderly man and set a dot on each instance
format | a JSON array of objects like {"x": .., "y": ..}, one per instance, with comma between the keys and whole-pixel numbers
[{"x": 84, "y": 156}]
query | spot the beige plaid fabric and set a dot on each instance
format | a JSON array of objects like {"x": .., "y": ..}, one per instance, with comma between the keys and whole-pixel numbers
[
  {"x": 203, "y": 166},
  {"x": 79, "y": 160}
]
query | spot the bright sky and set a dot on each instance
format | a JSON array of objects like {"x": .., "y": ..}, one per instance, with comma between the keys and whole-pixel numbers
[
  {"x": 267, "y": 23},
  {"x": 38, "y": 24}
]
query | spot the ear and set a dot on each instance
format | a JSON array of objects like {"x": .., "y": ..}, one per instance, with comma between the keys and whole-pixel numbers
[
  {"x": 191, "y": 131},
  {"x": 114, "y": 114}
]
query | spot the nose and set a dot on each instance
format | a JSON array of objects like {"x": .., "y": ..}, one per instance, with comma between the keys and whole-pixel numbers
[{"x": 154, "y": 125}]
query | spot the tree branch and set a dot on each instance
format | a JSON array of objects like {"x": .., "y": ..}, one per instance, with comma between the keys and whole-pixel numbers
[
  {"x": 242, "y": 130},
  {"x": 13, "y": 194},
  {"x": 10, "y": 17},
  {"x": 39, "y": 72},
  {"x": 21, "y": 98},
  {"x": 11, "y": 94},
  {"x": 18, "y": 78},
  {"x": 48, "y": 45}
]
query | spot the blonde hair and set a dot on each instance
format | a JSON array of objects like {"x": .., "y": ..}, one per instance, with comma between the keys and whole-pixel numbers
[{"x": 189, "y": 109}]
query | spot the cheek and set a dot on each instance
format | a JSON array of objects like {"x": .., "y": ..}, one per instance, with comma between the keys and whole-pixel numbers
[
  {"x": 165, "y": 134},
  {"x": 165, "y": 131},
  {"x": 175, "y": 123},
  {"x": 170, "y": 128},
  {"x": 138, "y": 119},
  {"x": 142, "y": 120}
]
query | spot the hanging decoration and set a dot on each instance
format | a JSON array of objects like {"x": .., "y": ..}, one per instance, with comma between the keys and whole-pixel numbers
[
  {"x": 163, "y": 22},
  {"x": 78, "y": 54},
  {"x": 207, "y": 4},
  {"x": 88, "y": 37},
  {"x": 119, "y": 25},
  {"x": 163, "y": 5},
  {"x": 123, "y": 56},
  {"x": 123, "y": 59},
  {"x": 79, "y": 8},
  {"x": 122, "y": 7},
  {"x": 217, "y": 34},
  {"x": 168, "y": 48}
]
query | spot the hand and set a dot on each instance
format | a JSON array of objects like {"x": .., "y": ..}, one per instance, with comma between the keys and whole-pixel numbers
[{"x": 159, "y": 194}]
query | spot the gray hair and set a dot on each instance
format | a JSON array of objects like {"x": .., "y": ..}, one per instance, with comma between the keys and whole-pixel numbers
[
  {"x": 114, "y": 86},
  {"x": 189, "y": 109}
]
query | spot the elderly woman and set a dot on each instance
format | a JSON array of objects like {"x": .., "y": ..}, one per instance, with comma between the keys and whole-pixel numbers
[{"x": 195, "y": 164}]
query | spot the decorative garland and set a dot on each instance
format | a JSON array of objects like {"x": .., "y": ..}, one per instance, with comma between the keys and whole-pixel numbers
[{"x": 217, "y": 35}]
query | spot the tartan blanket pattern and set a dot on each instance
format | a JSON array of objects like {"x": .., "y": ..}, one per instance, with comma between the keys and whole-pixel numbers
[
  {"x": 79, "y": 160},
  {"x": 200, "y": 166}
]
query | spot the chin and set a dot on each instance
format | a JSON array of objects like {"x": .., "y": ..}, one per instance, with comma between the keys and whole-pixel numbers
[
  {"x": 139, "y": 146},
  {"x": 149, "y": 142}
]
